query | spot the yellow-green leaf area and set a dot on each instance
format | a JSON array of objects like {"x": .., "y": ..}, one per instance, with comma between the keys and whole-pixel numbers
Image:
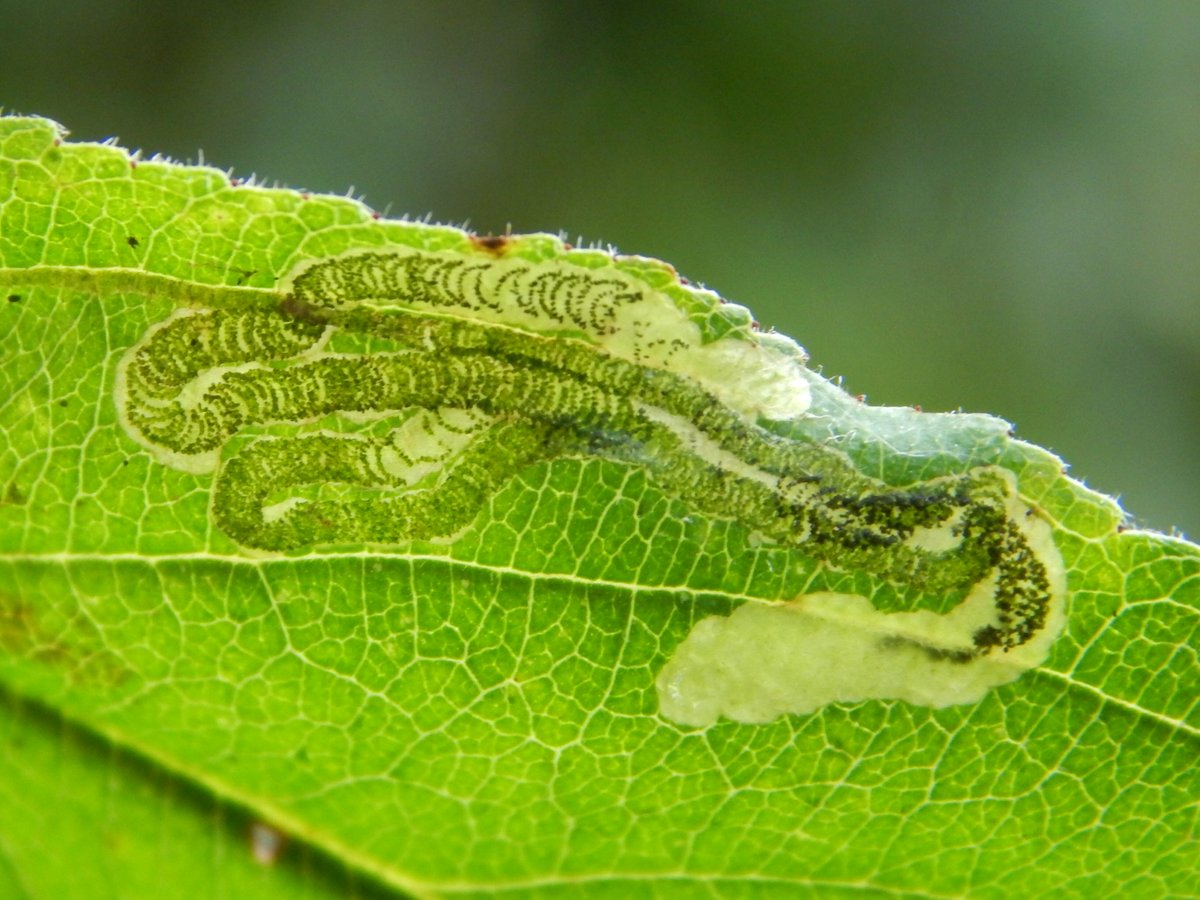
[{"x": 383, "y": 535}]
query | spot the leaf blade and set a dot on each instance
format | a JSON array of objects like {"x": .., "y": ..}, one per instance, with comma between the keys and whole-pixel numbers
[{"x": 489, "y": 702}]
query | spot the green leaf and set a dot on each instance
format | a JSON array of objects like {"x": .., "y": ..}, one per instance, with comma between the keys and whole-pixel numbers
[{"x": 481, "y": 565}]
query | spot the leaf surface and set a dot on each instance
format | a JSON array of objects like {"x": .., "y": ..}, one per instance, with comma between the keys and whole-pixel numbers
[{"x": 464, "y": 696}]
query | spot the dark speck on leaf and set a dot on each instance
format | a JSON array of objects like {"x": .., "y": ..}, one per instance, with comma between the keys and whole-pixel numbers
[
  {"x": 132, "y": 242},
  {"x": 14, "y": 298},
  {"x": 62, "y": 402}
]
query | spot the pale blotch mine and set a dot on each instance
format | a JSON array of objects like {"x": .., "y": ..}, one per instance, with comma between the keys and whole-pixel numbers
[{"x": 765, "y": 661}]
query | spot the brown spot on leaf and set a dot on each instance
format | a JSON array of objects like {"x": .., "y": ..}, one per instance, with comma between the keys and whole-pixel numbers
[
  {"x": 72, "y": 645},
  {"x": 295, "y": 308},
  {"x": 495, "y": 244}
]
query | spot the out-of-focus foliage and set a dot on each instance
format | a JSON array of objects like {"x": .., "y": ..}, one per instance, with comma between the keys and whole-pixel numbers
[{"x": 992, "y": 206}]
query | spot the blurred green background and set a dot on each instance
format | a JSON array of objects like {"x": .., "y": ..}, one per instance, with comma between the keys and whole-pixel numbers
[{"x": 986, "y": 206}]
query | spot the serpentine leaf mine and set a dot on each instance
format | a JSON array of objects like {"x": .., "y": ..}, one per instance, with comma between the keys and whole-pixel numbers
[{"x": 449, "y": 372}]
